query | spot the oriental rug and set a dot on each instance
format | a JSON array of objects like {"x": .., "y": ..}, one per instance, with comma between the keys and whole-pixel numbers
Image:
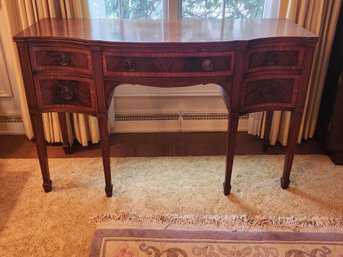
[{"x": 204, "y": 243}]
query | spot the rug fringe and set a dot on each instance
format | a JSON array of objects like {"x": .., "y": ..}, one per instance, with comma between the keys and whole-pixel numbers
[{"x": 232, "y": 223}]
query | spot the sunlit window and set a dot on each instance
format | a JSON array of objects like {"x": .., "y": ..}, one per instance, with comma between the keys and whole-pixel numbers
[
  {"x": 159, "y": 9},
  {"x": 134, "y": 9},
  {"x": 222, "y": 8}
]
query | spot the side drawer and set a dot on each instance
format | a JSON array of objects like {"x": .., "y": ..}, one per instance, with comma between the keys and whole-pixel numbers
[
  {"x": 279, "y": 91},
  {"x": 65, "y": 93},
  {"x": 290, "y": 58},
  {"x": 175, "y": 64},
  {"x": 66, "y": 59}
]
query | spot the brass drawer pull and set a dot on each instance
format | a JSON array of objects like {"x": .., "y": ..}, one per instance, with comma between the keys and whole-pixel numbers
[
  {"x": 270, "y": 63},
  {"x": 129, "y": 65},
  {"x": 67, "y": 92},
  {"x": 261, "y": 93},
  {"x": 270, "y": 59},
  {"x": 266, "y": 92},
  {"x": 63, "y": 59},
  {"x": 207, "y": 65}
]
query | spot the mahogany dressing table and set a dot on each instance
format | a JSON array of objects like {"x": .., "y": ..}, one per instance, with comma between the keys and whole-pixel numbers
[{"x": 74, "y": 65}]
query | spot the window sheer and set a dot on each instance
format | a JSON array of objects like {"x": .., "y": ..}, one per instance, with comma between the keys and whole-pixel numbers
[{"x": 159, "y": 9}]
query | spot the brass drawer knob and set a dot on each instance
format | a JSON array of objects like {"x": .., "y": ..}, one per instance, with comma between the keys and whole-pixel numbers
[
  {"x": 270, "y": 59},
  {"x": 266, "y": 92},
  {"x": 63, "y": 59},
  {"x": 67, "y": 92},
  {"x": 129, "y": 65},
  {"x": 270, "y": 63},
  {"x": 207, "y": 65}
]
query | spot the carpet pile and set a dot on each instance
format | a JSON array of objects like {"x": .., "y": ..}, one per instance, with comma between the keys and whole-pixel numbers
[{"x": 62, "y": 222}]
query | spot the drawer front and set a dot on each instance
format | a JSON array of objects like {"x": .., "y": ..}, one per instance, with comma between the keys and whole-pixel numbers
[
  {"x": 271, "y": 59},
  {"x": 277, "y": 92},
  {"x": 57, "y": 93},
  {"x": 66, "y": 59},
  {"x": 175, "y": 64}
]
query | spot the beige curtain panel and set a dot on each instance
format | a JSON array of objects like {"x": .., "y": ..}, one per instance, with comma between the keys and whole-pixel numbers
[
  {"x": 320, "y": 17},
  {"x": 82, "y": 127}
]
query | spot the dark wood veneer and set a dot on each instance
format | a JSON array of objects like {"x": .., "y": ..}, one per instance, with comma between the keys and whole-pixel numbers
[
  {"x": 278, "y": 58},
  {"x": 274, "y": 91},
  {"x": 65, "y": 93},
  {"x": 74, "y": 65},
  {"x": 60, "y": 58},
  {"x": 152, "y": 64}
]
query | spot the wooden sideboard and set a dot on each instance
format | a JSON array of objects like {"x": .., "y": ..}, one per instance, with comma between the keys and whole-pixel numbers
[{"x": 74, "y": 65}]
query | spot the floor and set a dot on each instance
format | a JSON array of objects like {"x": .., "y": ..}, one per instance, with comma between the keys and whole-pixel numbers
[{"x": 154, "y": 144}]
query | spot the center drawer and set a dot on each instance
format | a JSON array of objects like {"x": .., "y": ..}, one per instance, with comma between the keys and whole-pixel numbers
[
  {"x": 65, "y": 93},
  {"x": 168, "y": 64}
]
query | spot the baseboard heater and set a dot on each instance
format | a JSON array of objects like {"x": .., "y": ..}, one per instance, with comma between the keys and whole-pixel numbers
[
  {"x": 10, "y": 118},
  {"x": 172, "y": 122},
  {"x": 11, "y": 125}
]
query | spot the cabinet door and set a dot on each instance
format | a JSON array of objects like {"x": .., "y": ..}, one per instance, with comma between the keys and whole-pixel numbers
[{"x": 335, "y": 133}]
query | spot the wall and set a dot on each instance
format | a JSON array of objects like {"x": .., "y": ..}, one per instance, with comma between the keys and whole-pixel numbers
[
  {"x": 147, "y": 109},
  {"x": 10, "y": 111}
]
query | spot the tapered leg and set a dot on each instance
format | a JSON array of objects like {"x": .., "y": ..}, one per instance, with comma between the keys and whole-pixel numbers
[
  {"x": 268, "y": 124},
  {"x": 231, "y": 140},
  {"x": 290, "y": 149},
  {"x": 105, "y": 147},
  {"x": 67, "y": 147},
  {"x": 37, "y": 125}
]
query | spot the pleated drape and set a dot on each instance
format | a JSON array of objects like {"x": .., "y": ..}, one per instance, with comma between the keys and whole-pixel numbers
[
  {"x": 82, "y": 127},
  {"x": 319, "y": 17}
]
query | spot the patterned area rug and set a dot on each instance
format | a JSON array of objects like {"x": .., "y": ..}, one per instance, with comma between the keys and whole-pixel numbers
[{"x": 182, "y": 243}]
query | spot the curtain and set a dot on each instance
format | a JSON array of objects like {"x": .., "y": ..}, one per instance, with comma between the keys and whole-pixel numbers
[
  {"x": 82, "y": 127},
  {"x": 319, "y": 17}
]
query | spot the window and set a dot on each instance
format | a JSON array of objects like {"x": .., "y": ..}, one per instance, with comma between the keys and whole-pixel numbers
[
  {"x": 134, "y": 9},
  {"x": 127, "y": 9},
  {"x": 158, "y": 9},
  {"x": 222, "y": 9}
]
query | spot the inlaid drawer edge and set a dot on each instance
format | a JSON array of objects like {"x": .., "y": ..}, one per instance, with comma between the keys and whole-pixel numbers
[
  {"x": 277, "y": 91},
  {"x": 56, "y": 93},
  {"x": 61, "y": 58},
  {"x": 168, "y": 64},
  {"x": 275, "y": 58}
]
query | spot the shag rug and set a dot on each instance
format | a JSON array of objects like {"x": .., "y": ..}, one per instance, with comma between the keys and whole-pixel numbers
[
  {"x": 164, "y": 192},
  {"x": 176, "y": 243}
]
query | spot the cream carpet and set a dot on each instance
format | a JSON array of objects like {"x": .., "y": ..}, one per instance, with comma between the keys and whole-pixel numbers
[{"x": 62, "y": 222}]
